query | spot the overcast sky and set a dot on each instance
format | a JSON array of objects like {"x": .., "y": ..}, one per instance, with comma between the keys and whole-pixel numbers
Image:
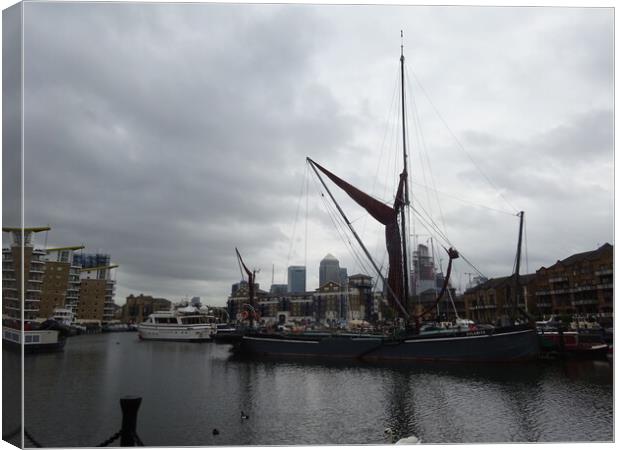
[{"x": 169, "y": 134}]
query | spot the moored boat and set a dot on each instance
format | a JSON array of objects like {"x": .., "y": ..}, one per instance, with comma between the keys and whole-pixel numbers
[
  {"x": 506, "y": 343},
  {"x": 309, "y": 344},
  {"x": 182, "y": 324},
  {"x": 48, "y": 336},
  {"x": 228, "y": 333},
  {"x": 573, "y": 343}
]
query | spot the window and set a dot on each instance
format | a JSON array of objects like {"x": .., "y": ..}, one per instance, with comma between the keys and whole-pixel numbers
[{"x": 31, "y": 339}]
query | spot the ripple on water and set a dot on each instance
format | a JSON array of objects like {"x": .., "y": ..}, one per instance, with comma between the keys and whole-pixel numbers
[{"x": 189, "y": 389}]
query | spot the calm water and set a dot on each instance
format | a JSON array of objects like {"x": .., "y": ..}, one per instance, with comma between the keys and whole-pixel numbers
[{"x": 188, "y": 389}]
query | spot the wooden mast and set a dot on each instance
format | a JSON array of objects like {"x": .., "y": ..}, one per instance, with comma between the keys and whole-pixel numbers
[
  {"x": 403, "y": 225},
  {"x": 515, "y": 304}
]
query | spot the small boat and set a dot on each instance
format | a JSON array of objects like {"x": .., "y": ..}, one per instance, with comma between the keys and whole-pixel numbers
[
  {"x": 573, "y": 343},
  {"x": 181, "y": 324},
  {"x": 228, "y": 333},
  {"x": 63, "y": 316},
  {"x": 48, "y": 336}
]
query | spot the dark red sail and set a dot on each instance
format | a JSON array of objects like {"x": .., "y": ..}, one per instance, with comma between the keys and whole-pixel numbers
[
  {"x": 388, "y": 216},
  {"x": 250, "y": 278}
]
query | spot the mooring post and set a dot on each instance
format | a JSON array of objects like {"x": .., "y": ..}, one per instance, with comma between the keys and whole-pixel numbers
[{"x": 129, "y": 407}]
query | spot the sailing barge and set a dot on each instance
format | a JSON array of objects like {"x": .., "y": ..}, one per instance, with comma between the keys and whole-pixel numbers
[{"x": 505, "y": 343}]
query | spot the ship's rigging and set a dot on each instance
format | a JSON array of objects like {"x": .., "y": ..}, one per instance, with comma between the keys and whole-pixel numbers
[{"x": 396, "y": 216}]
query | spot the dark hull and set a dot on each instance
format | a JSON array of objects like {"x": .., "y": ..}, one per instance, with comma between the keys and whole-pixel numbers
[
  {"x": 34, "y": 348},
  {"x": 498, "y": 346},
  {"x": 228, "y": 337},
  {"x": 328, "y": 346}
]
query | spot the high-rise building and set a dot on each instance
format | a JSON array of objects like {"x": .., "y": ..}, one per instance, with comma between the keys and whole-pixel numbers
[
  {"x": 423, "y": 269},
  {"x": 329, "y": 270},
  {"x": 297, "y": 279},
  {"x": 87, "y": 260},
  {"x": 278, "y": 289},
  {"x": 344, "y": 277},
  {"x": 97, "y": 287},
  {"x": 30, "y": 269},
  {"x": 60, "y": 281}
]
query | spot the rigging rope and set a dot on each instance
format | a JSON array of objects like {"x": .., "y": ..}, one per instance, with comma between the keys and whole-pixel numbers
[
  {"x": 458, "y": 142},
  {"x": 424, "y": 154},
  {"x": 301, "y": 191},
  {"x": 464, "y": 201},
  {"x": 307, "y": 181}
]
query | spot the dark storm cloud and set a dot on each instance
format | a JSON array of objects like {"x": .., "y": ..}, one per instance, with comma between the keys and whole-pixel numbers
[{"x": 146, "y": 140}]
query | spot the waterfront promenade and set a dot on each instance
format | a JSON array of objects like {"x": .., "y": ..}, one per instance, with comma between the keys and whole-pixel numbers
[{"x": 188, "y": 389}]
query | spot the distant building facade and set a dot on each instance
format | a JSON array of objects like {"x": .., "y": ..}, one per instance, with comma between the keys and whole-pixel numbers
[
  {"x": 488, "y": 302},
  {"x": 33, "y": 265},
  {"x": 423, "y": 268},
  {"x": 138, "y": 307},
  {"x": 60, "y": 286},
  {"x": 97, "y": 289},
  {"x": 580, "y": 284},
  {"x": 296, "y": 279},
  {"x": 329, "y": 270},
  {"x": 278, "y": 289},
  {"x": 330, "y": 304}
]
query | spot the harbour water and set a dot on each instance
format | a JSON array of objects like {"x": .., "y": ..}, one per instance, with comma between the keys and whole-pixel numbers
[{"x": 188, "y": 389}]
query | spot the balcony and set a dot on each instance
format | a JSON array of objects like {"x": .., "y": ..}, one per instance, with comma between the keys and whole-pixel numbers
[
  {"x": 589, "y": 301},
  {"x": 583, "y": 288},
  {"x": 557, "y": 279},
  {"x": 605, "y": 286},
  {"x": 544, "y": 305},
  {"x": 604, "y": 272}
]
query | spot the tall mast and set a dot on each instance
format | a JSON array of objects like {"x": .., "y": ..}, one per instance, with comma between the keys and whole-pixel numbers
[
  {"x": 515, "y": 304},
  {"x": 403, "y": 224}
]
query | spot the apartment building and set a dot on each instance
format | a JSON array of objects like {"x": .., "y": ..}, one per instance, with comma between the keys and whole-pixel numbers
[
  {"x": 23, "y": 267},
  {"x": 580, "y": 284},
  {"x": 96, "y": 294},
  {"x": 60, "y": 286},
  {"x": 138, "y": 307}
]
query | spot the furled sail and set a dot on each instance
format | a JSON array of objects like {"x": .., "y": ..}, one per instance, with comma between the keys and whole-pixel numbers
[
  {"x": 387, "y": 216},
  {"x": 250, "y": 278}
]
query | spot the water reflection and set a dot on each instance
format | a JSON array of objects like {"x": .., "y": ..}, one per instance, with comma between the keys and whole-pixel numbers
[
  {"x": 12, "y": 396},
  {"x": 190, "y": 389}
]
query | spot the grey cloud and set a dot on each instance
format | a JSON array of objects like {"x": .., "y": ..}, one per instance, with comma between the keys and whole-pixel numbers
[{"x": 168, "y": 134}]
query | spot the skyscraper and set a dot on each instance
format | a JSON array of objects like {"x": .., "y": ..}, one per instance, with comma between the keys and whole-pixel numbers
[
  {"x": 423, "y": 270},
  {"x": 329, "y": 270},
  {"x": 297, "y": 279}
]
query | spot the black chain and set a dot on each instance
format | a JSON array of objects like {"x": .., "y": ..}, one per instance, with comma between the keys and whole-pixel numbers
[
  {"x": 105, "y": 443},
  {"x": 138, "y": 440},
  {"x": 31, "y": 439},
  {"x": 111, "y": 439}
]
